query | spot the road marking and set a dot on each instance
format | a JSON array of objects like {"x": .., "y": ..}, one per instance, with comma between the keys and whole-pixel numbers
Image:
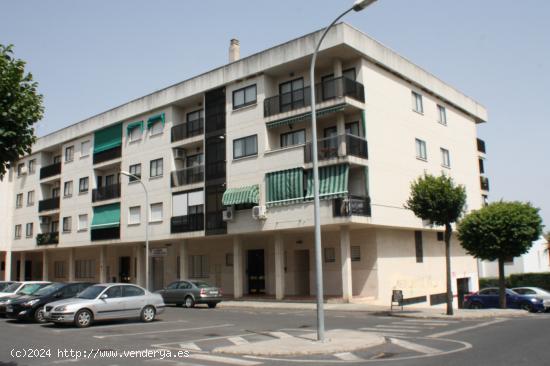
[
  {"x": 423, "y": 324},
  {"x": 226, "y": 360},
  {"x": 430, "y": 321},
  {"x": 280, "y": 335},
  {"x": 348, "y": 356},
  {"x": 391, "y": 330},
  {"x": 66, "y": 361},
  {"x": 100, "y": 327},
  {"x": 190, "y": 346},
  {"x": 481, "y": 325},
  {"x": 161, "y": 331},
  {"x": 415, "y": 347},
  {"x": 237, "y": 340},
  {"x": 402, "y": 326}
]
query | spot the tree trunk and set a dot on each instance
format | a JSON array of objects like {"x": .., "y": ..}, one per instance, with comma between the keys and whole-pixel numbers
[
  {"x": 448, "y": 232},
  {"x": 501, "y": 284}
]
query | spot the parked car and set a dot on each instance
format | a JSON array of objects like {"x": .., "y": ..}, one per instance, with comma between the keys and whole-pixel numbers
[
  {"x": 104, "y": 302},
  {"x": 31, "y": 307},
  {"x": 489, "y": 298},
  {"x": 18, "y": 289},
  {"x": 4, "y": 284},
  {"x": 191, "y": 292},
  {"x": 535, "y": 291}
]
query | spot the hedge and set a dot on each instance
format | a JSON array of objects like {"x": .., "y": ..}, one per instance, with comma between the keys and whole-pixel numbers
[{"x": 541, "y": 280}]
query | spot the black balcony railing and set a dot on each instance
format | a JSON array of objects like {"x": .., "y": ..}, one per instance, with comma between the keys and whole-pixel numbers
[
  {"x": 50, "y": 170},
  {"x": 484, "y": 183},
  {"x": 184, "y": 224},
  {"x": 47, "y": 238},
  {"x": 105, "y": 233},
  {"x": 189, "y": 129},
  {"x": 106, "y": 192},
  {"x": 194, "y": 174},
  {"x": 107, "y": 155},
  {"x": 326, "y": 90},
  {"x": 351, "y": 205},
  {"x": 48, "y": 204},
  {"x": 481, "y": 145},
  {"x": 330, "y": 147}
]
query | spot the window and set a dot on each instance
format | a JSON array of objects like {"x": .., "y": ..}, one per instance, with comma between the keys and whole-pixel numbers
[
  {"x": 349, "y": 74},
  {"x": 421, "y": 150},
  {"x": 55, "y": 192},
  {"x": 17, "y": 232},
  {"x": 441, "y": 115},
  {"x": 57, "y": 159},
  {"x": 110, "y": 180},
  {"x": 245, "y": 96},
  {"x": 59, "y": 269},
  {"x": 135, "y": 170},
  {"x": 19, "y": 200},
  {"x": 32, "y": 166},
  {"x": 85, "y": 268},
  {"x": 352, "y": 128},
  {"x": 445, "y": 158},
  {"x": 194, "y": 160},
  {"x": 246, "y": 146},
  {"x": 136, "y": 132},
  {"x": 481, "y": 166},
  {"x": 293, "y": 138},
  {"x": 155, "y": 168},
  {"x": 291, "y": 95},
  {"x": 194, "y": 123},
  {"x": 134, "y": 215},
  {"x": 418, "y": 246},
  {"x": 29, "y": 229},
  {"x": 355, "y": 253},
  {"x": 83, "y": 185},
  {"x": 85, "y": 148},
  {"x": 20, "y": 169},
  {"x": 156, "y": 212},
  {"x": 485, "y": 200},
  {"x": 156, "y": 128},
  {"x": 82, "y": 222},
  {"x": 30, "y": 198},
  {"x": 67, "y": 224},
  {"x": 330, "y": 255},
  {"x": 68, "y": 189},
  {"x": 198, "y": 266},
  {"x": 69, "y": 153},
  {"x": 229, "y": 259},
  {"x": 128, "y": 291},
  {"x": 417, "y": 102}
]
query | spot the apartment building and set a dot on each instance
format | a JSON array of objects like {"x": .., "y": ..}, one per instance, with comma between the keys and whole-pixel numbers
[{"x": 226, "y": 159}]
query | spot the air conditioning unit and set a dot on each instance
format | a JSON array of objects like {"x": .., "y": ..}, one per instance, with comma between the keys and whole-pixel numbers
[
  {"x": 259, "y": 213},
  {"x": 179, "y": 154},
  {"x": 44, "y": 220},
  {"x": 228, "y": 214}
]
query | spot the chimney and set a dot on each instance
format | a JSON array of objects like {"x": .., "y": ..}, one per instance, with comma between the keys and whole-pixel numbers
[{"x": 234, "y": 50}]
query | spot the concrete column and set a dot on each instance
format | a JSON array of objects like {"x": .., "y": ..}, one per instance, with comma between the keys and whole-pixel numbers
[
  {"x": 337, "y": 68},
  {"x": 102, "y": 264},
  {"x": 45, "y": 265},
  {"x": 184, "y": 260},
  {"x": 237, "y": 267},
  {"x": 7, "y": 266},
  {"x": 139, "y": 264},
  {"x": 345, "y": 255},
  {"x": 341, "y": 132},
  {"x": 71, "y": 265},
  {"x": 22, "y": 259},
  {"x": 279, "y": 267}
]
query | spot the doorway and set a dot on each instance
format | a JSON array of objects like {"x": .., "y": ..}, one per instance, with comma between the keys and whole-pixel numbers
[
  {"x": 301, "y": 276},
  {"x": 158, "y": 273},
  {"x": 256, "y": 272},
  {"x": 124, "y": 269},
  {"x": 463, "y": 288}
]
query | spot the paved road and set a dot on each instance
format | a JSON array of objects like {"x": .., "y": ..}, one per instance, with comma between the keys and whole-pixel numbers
[{"x": 197, "y": 332}]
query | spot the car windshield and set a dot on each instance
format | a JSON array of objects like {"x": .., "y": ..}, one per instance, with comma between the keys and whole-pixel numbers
[
  {"x": 48, "y": 290},
  {"x": 201, "y": 284},
  {"x": 91, "y": 292},
  {"x": 11, "y": 288},
  {"x": 31, "y": 288},
  {"x": 4, "y": 285}
]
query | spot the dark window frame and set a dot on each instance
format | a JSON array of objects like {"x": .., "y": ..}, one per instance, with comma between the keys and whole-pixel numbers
[
  {"x": 155, "y": 161},
  {"x": 130, "y": 168},
  {"x": 83, "y": 184},
  {"x": 293, "y": 132},
  {"x": 418, "y": 246},
  {"x": 244, "y": 90},
  {"x": 293, "y": 103},
  {"x": 245, "y": 153}
]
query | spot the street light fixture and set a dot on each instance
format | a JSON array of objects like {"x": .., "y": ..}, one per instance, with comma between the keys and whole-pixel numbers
[
  {"x": 358, "y": 5},
  {"x": 129, "y": 175}
]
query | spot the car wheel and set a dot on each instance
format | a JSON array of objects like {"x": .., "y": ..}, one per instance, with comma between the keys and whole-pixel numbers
[
  {"x": 83, "y": 318},
  {"x": 476, "y": 305},
  {"x": 212, "y": 305},
  {"x": 148, "y": 314},
  {"x": 526, "y": 306},
  {"x": 189, "y": 302},
  {"x": 39, "y": 316}
]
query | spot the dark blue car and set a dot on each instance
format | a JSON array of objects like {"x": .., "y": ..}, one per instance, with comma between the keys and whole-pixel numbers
[{"x": 488, "y": 298}]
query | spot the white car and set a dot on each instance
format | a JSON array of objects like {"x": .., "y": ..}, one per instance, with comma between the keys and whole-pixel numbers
[
  {"x": 26, "y": 287},
  {"x": 537, "y": 291},
  {"x": 105, "y": 302}
]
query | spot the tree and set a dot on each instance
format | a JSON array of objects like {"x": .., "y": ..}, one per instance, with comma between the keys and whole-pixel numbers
[
  {"x": 20, "y": 108},
  {"x": 498, "y": 231},
  {"x": 440, "y": 201}
]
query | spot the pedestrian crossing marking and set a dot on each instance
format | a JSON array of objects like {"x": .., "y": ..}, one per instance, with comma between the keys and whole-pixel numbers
[
  {"x": 280, "y": 335},
  {"x": 347, "y": 356},
  {"x": 237, "y": 340},
  {"x": 404, "y": 326},
  {"x": 414, "y": 346},
  {"x": 190, "y": 346},
  {"x": 391, "y": 330},
  {"x": 221, "y": 359}
]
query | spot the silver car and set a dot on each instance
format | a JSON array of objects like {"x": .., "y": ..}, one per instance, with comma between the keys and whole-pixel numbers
[{"x": 105, "y": 301}]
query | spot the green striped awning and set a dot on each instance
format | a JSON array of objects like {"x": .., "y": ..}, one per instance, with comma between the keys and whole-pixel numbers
[
  {"x": 333, "y": 181},
  {"x": 133, "y": 125},
  {"x": 237, "y": 196},
  {"x": 285, "y": 186},
  {"x": 106, "y": 216},
  {"x": 108, "y": 138},
  {"x": 304, "y": 116},
  {"x": 154, "y": 119}
]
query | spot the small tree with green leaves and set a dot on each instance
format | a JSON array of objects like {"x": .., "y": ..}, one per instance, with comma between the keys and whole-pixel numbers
[
  {"x": 440, "y": 201},
  {"x": 20, "y": 108},
  {"x": 498, "y": 231}
]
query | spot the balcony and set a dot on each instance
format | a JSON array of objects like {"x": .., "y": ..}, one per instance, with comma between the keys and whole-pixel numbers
[
  {"x": 47, "y": 238},
  {"x": 106, "y": 192},
  {"x": 186, "y": 176},
  {"x": 337, "y": 146},
  {"x": 481, "y": 146},
  {"x": 50, "y": 170},
  {"x": 185, "y": 224},
  {"x": 186, "y": 130},
  {"x": 484, "y": 183},
  {"x": 351, "y": 206},
  {"x": 107, "y": 155},
  {"x": 327, "y": 90},
  {"x": 105, "y": 234},
  {"x": 48, "y": 204}
]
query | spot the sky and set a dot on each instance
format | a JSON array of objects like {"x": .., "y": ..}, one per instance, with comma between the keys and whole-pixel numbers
[{"x": 90, "y": 56}]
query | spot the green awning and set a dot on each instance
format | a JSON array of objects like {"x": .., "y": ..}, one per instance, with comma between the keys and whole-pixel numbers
[
  {"x": 333, "y": 181},
  {"x": 154, "y": 119},
  {"x": 133, "y": 125},
  {"x": 304, "y": 116},
  {"x": 285, "y": 186},
  {"x": 106, "y": 216},
  {"x": 108, "y": 138},
  {"x": 242, "y": 195}
]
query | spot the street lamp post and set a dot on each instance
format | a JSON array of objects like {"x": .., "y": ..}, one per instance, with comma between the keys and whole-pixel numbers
[
  {"x": 358, "y": 5},
  {"x": 146, "y": 225}
]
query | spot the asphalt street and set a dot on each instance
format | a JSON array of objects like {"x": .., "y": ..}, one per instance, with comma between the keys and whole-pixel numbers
[{"x": 188, "y": 337}]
